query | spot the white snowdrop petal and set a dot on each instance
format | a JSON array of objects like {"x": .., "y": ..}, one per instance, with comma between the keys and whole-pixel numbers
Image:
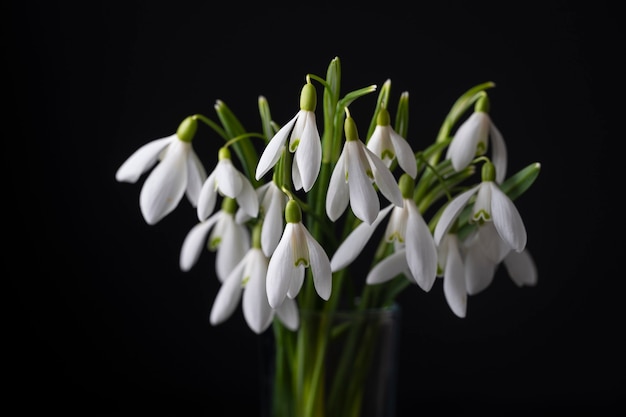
[
  {"x": 288, "y": 314},
  {"x": 404, "y": 154},
  {"x": 309, "y": 152},
  {"x": 499, "y": 156},
  {"x": 462, "y": 149},
  {"x": 450, "y": 213},
  {"x": 384, "y": 179},
  {"x": 337, "y": 195},
  {"x": 280, "y": 269},
  {"x": 227, "y": 297},
  {"x": 247, "y": 197},
  {"x": 256, "y": 309},
  {"x": 142, "y": 159},
  {"x": 207, "y": 198},
  {"x": 363, "y": 198},
  {"x": 388, "y": 268},
  {"x": 234, "y": 244},
  {"x": 454, "y": 288},
  {"x": 320, "y": 267},
  {"x": 196, "y": 175},
  {"x": 165, "y": 186},
  {"x": 479, "y": 269},
  {"x": 354, "y": 243},
  {"x": 274, "y": 148},
  {"x": 421, "y": 251},
  {"x": 507, "y": 219},
  {"x": 521, "y": 268},
  {"x": 194, "y": 242}
]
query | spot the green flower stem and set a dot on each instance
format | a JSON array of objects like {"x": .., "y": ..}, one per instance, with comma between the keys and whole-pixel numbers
[{"x": 213, "y": 125}]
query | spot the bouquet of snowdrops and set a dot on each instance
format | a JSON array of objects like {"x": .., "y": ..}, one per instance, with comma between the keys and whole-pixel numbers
[{"x": 289, "y": 208}]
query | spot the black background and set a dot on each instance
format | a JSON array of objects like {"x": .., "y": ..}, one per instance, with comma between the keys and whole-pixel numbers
[{"x": 100, "y": 320}]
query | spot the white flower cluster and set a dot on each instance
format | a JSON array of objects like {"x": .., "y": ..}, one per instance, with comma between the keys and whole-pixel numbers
[{"x": 264, "y": 247}]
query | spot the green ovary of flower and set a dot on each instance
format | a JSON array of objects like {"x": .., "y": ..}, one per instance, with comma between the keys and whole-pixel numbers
[
  {"x": 308, "y": 97},
  {"x": 187, "y": 129},
  {"x": 293, "y": 213}
]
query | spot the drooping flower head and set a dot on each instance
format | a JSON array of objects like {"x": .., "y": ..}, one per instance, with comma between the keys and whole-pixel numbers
[
  {"x": 415, "y": 251},
  {"x": 388, "y": 145},
  {"x": 226, "y": 180},
  {"x": 228, "y": 238},
  {"x": 249, "y": 277},
  {"x": 179, "y": 172},
  {"x": 353, "y": 176},
  {"x": 297, "y": 251},
  {"x": 491, "y": 205},
  {"x": 304, "y": 143},
  {"x": 473, "y": 138}
]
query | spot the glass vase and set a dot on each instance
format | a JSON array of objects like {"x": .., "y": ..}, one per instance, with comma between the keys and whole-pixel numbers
[{"x": 337, "y": 364}]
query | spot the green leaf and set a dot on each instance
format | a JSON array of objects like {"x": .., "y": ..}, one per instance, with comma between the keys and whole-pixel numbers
[
  {"x": 402, "y": 115},
  {"x": 383, "y": 97},
  {"x": 517, "y": 184},
  {"x": 266, "y": 118},
  {"x": 353, "y": 95}
]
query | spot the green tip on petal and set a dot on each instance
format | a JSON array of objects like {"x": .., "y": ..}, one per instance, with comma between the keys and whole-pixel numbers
[
  {"x": 187, "y": 129},
  {"x": 383, "y": 118},
  {"x": 293, "y": 213},
  {"x": 224, "y": 153},
  {"x": 350, "y": 128},
  {"x": 488, "y": 171},
  {"x": 308, "y": 97}
]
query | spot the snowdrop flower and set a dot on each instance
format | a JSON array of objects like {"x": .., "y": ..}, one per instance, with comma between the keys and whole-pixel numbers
[
  {"x": 304, "y": 142},
  {"x": 351, "y": 180},
  {"x": 229, "y": 239},
  {"x": 416, "y": 252},
  {"x": 296, "y": 251},
  {"x": 249, "y": 277},
  {"x": 179, "y": 172},
  {"x": 471, "y": 138},
  {"x": 388, "y": 145},
  {"x": 491, "y": 205},
  {"x": 227, "y": 181},
  {"x": 453, "y": 272}
]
